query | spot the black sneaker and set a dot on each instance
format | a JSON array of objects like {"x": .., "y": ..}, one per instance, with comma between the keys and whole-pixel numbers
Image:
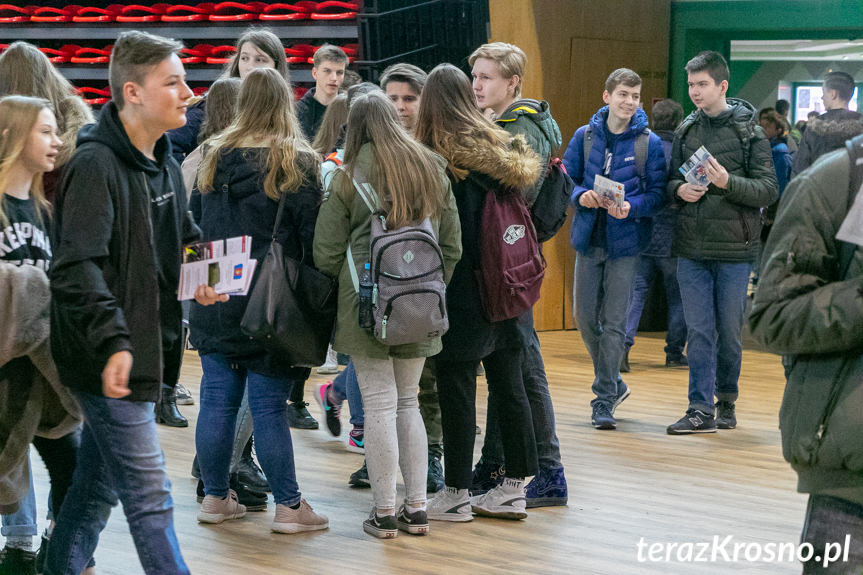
[
  {"x": 248, "y": 470},
  {"x": 299, "y": 417},
  {"x": 601, "y": 417},
  {"x": 695, "y": 421},
  {"x": 434, "y": 480},
  {"x": 360, "y": 477},
  {"x": 381, "y": 527},
  {"x": 624, "y": 362},
  {"x": 725, "y": 418},
  {"x": 416, "y": 523},
  {"x": 42, "y": 552},
  {"x": 486, "y": 476},
  {"x": 17, "y": 561},
  {"x": 676, "y": 361},
  {"x": 330, "y": 409},
  {"x": 253, "y": 500}
]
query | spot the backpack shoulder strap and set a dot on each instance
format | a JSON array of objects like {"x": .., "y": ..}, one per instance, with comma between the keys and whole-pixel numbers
[
  {"x": 642, "y": 143},
  {"x": 855, "y": 179},
  {"x": 588, "y": 145},
  {"x": 370, "y": 199}
]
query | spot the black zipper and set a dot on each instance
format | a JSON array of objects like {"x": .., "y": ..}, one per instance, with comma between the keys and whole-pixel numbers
[
  {"x": 395, "y": 277},
  {"x": 383, "y": 251},
  {"x": 746, "y": 231},
  {"x": 388, "y": 310}
]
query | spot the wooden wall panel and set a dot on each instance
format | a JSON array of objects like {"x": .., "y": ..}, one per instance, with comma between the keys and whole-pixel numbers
[{"x": 572, "y": 46}]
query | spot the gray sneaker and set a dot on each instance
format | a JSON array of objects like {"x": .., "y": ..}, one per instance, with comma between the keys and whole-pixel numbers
[
  {"x": 416, "y": 523},
  {"x": 505, "y": 501},
  {"x": 450, "y": 504}
]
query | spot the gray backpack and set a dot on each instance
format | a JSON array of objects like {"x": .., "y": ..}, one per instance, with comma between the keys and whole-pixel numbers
[{"x": 409, "y": 293}]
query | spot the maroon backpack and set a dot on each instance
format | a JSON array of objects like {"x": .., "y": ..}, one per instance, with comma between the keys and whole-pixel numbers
[{"x": 511, "y": 263}]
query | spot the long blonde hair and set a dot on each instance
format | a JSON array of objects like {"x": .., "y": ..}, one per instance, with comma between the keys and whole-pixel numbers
[
  {"x": 406, "y": 175},
  {"x": 266, "y": 118},
  {"x": 18, "y": 115},
  {"x": 449, "y": 118},
  {"x": 26, "y": 71}
]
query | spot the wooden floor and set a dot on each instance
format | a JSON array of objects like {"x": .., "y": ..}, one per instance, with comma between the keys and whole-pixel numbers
[{"x": 624, "y": 485}]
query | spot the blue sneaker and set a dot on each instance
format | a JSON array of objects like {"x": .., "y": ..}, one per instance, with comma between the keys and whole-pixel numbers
[{"x": 548, "y": 488}]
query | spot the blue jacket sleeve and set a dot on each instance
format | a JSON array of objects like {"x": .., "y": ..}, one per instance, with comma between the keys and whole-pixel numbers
[
  {"x": 573, "y": 161},
  {"x": 656, "y": 175},
  {"x": 184, "y": 140}
]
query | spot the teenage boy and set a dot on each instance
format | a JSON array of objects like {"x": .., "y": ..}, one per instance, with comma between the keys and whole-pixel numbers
[
  {"x": 120, "y": 224},
  {"x": 498, "y": 73},
  {"x": 608, "y": 237},
  {"x": 807, "y": 308},
  {"x": 717, "y": 237},
  {"x": 831, "y": 129},
  {"x": 403, "y": 85},
  {"x": 329, "y": 73}
]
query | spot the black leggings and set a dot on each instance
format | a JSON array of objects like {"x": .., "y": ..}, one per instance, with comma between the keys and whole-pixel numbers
[
  {"x": 457, "y": 392},
  {"x": 59, "y": 456}
]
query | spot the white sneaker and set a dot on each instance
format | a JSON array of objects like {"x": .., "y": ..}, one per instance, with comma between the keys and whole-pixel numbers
[
  {"x": 505, "y": 501},
  {"x": 331, "y": 365},
  {"x": 450, "y": 504},
  {"x": 215, "y": 510}
]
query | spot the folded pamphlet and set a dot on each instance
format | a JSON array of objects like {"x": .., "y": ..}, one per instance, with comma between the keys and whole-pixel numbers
[
  {"x": 222, "y": 264},
  {"x": 695, "y": 168}
]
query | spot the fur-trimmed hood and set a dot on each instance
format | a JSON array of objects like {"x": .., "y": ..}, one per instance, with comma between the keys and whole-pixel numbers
[
  {"x": 839, "y": 124},
  {"x": 515, "y": 165}
]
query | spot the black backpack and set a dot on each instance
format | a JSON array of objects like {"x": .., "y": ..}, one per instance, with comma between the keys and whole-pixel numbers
[{"x": 548, "y": 211}]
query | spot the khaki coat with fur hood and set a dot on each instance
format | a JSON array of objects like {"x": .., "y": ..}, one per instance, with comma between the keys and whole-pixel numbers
[
  {"x": 476, "y": 166},
  {"x": 32, "y": 400}
]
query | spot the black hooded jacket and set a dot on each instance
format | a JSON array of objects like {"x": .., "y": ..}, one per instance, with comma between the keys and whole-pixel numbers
[{"x": 111, "y": 267}]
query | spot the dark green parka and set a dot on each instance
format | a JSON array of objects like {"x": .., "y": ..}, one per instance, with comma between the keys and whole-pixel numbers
[{"x": 804, "y": 310}]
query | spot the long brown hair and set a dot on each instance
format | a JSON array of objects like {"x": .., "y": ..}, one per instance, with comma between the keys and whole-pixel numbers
[
  {"x": 406, "y": 175},
  {"x": 18, "y": 115},
  {"x": 221, "y": 107},
  {"x": 332, "y": 125},
  {"x": 448, "y": 114},
  {"x": 265, "y": 118},
  {"x": 26, "y": 71}
]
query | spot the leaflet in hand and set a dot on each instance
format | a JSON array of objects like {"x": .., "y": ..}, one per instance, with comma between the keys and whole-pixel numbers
[
  {"x": 609, "y": 190},
  {"x": 694, "y": 169},
  {"x": 223, "y": 264}
]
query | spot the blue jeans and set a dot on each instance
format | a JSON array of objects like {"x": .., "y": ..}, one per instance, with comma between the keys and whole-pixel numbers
[
  {"x": 541, "y": 409},
  {"x": 828, "y": 521},
  {"x": 222, "y": 390},
  {"x": 22, "y": 523},
  {"x": 714, "y": 303},
  {"x": 645, "y": 271},
  {"x": 602, "y": 290},
  {"x": 346, "y": 386},
  {"x": 119, "y": 457}
]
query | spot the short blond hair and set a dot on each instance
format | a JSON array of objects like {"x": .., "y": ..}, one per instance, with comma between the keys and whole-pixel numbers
[{"x": 511, "y": 60}]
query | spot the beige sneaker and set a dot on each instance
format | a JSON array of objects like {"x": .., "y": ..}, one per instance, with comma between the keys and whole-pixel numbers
[
  {"x": 289, "y": 520},
  {"x": 216, "y": 510}
]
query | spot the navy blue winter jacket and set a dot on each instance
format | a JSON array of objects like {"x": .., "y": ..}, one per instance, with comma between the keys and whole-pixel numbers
[{"x": 629, "y": 236}]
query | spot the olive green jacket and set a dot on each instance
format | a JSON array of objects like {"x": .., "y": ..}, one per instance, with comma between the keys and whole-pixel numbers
[
  {"x": 806, "y": 311},
  {"x": 345, "y": 219}
]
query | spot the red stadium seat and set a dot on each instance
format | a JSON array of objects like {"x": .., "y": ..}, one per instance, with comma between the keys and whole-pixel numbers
[
  {"x": 188, "y": 13},
  {"x": 94, "y": 14},
  {"x": 296, "y": 11},
  {"x": 141, "y": 13},
  {"x": 221, "y": 54},
  {"x": 335, "y": 10},
  {"x": 92, "y": 55},
  {"x": 236, "y": 11},
  {"x": 11, "y": 14},
  {"x": 196, "y": 55},
  {"x": 49, "y": 14}
]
